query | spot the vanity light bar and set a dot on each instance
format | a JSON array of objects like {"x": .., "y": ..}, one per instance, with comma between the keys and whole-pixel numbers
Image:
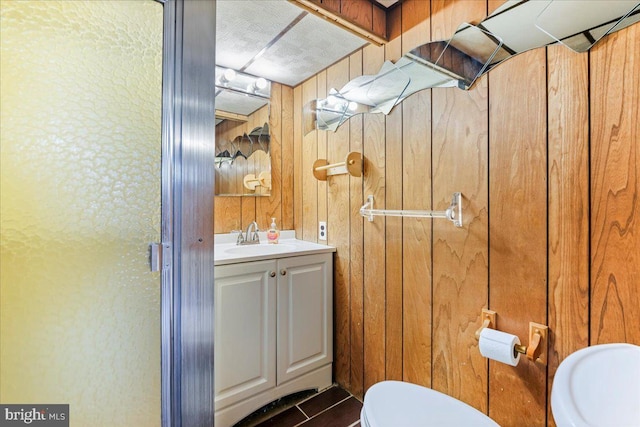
[{"x": 228, "y": 78}]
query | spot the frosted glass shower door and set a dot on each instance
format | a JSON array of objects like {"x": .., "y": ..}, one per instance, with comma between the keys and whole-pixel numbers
[{"x": 80, "y": 189}]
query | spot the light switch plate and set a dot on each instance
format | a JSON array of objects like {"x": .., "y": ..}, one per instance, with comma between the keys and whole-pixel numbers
[{"x": 322, "y": 230}]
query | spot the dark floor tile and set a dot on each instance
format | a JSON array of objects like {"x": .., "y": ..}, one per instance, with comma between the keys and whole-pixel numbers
[
  {"x": 342, "y": 415},
  {"x": 322, "y": 401},
  {"x": 288, "y": 418}
]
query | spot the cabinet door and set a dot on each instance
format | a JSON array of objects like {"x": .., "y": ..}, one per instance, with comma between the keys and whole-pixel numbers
[
  {"x": 305, "y": 307},
  {"x": 245, "y": 330}
]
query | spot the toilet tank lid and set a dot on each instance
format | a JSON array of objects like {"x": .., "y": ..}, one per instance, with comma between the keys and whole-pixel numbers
[{"x": 402, "y": 404}]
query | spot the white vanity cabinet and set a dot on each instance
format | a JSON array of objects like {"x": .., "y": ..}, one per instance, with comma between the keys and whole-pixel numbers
[
  {"x": 305, "y": 309},
  {"x": 273, "y": 331},
  {"x": 245, "y": 330}
]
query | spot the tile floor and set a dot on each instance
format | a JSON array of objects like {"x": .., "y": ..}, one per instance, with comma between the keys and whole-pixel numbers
[{"x": 333, "y": 407}]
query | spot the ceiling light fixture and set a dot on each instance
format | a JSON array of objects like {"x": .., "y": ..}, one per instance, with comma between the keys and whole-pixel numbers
[{"x": 241, "y": 82}]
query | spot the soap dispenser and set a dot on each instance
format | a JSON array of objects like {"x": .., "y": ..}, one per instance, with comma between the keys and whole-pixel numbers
[{"x": 273, "y": 234}]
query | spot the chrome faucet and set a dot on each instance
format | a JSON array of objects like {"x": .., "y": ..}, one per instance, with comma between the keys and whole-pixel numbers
[{"x": 250, "y": 237}]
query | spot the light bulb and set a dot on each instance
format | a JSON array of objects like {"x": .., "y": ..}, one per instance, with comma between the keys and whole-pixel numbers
[
  {"x": 229, "y": 74},
  {"x": 261, "y": 83},
  {"x": 353, "y": 106}
]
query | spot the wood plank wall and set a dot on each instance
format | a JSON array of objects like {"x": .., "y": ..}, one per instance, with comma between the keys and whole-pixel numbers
[
  {"x": 236, "y": 212},
  {"x": 545, "y": 152}
]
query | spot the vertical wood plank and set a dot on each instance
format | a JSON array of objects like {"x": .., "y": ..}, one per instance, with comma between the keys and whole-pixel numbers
[
  {"x": 379, "y": 24},
  {"x": 338, "y": 236},
  {"x": 297, "y": 160},
  {"x": 416, "y": 26},
  {"x": 356, "y": 249},
  {"x": 309, "y": 153},
  {"x": 568, "y": 140},
  {"x": 358, "y": 11},
  {"x": 322, "y": 154},
  {"x": 271, "y": 206},
  {"x": 393, "y": 233},
  {"x": 374, "y": 235},
  {"x": 248, "y": 211},
  {"x": 416, "y": 194},
  {"x": 287, "y": 177},
  {"x": 227, "y": 214},
  {"x": 615, "y": 188},
  {"x": 518, "y": 219},
  {"x": 460, "y": 256}
]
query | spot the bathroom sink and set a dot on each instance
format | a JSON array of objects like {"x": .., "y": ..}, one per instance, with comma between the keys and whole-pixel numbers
[
  {"x": 598, "y": 386},
  {"x": 260, "y": 249}
]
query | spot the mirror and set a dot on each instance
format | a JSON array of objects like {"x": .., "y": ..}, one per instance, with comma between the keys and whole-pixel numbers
[
  {"x": 472, "y": 51},
  {"x": 243, "y": 160}
]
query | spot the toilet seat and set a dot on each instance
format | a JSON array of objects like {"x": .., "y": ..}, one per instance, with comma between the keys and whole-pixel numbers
[{"x": 401, "y": 404}]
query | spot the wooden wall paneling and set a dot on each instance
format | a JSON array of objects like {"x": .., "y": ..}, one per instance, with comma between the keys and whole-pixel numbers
[
  {"x": 332, "y": 5},
  {"x": 416, "y": 27},
  {"x": 568, "y": 142},
  {"x": 338, "y": 225},
  {"x": 492, "y": 5},
  {"x": 393, "y": 233},
  {"x": 460, "y": 256},
  {"x": 358, "y": 11},
  {"x": 297, "y": 160},
  {"x": 518, "y": 229},
  {"x": 248, "y": 210},
  {"x": 287, "y": 163},
  {"x": 356, "y": 246},
  {"x": 309, "y": 154},
  {"x": 615, "y": 188},
  {"x": 227, "y": 215},
  {"x": 374, "y": 234},
  {"x": 416, "y": 194},
  {"x": 271, "y": 206},
  {"x": 394, "y": 25},
  {"x": 379, "y": 24},
  {"x": 322, "y": 153}
]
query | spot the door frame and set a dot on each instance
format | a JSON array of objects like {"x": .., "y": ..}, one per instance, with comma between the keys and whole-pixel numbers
[{"x": 188, "y": 154}]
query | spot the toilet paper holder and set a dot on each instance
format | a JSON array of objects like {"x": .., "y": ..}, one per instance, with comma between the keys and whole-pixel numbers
[{"x": 535, "y": 350}]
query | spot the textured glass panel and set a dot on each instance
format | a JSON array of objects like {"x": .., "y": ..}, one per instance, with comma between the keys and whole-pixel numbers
[{"x": 79, "y": 203}]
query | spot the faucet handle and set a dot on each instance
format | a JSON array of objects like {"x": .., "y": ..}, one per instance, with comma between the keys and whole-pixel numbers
[{"x": 240, "y": 238}]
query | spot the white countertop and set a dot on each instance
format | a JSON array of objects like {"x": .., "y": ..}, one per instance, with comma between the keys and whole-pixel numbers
[{"x": 227, "y": 252}]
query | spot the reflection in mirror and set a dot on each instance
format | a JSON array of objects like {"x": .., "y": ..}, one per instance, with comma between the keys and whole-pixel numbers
[
  {"x": 243, "y": 155},
  {"x": 515, "y": 27},
  {"x": 243, "y": 161},
  {"x": 585, "y": 29}
]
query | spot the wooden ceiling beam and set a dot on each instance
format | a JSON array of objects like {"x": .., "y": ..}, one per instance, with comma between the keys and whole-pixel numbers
[{"x": 364, "y": 18}]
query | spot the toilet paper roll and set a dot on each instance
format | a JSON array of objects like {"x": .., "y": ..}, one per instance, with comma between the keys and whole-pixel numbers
[{"x": 499, "y": 346}]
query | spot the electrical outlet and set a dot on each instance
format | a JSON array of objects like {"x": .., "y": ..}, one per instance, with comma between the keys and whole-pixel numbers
[{"x": 322, "y": 230}]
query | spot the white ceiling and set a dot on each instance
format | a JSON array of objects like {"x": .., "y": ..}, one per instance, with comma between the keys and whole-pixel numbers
[{"x": 279, "y": 41}]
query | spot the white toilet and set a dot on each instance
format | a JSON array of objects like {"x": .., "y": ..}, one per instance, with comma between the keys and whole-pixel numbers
[
  {"x": 401, "y": 404},
  {"x": 598, "y": 386}
]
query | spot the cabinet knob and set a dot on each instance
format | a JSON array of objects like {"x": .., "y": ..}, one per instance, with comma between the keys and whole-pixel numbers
[
  {"x": 272, "y": 274},
  {"x": 283, "y": 272}
]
